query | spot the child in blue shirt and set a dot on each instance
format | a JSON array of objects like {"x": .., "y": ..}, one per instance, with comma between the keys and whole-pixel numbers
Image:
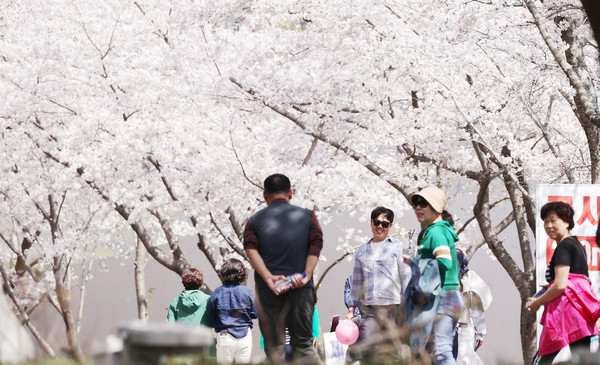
[{"x": 231, "y": 313}]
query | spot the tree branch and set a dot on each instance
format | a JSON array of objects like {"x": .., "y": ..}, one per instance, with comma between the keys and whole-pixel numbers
[
  {"x": 337, "y": 261},
  {"x": 553, "y": 148},
  {"x": 235, "y": 224},
  {"x": 578, "y": 85},
  {"x": 25, "y": 317},
  {"x": 473, "y": 247},
  {"x": 240, "y": 251},
  {"x": 412, "y": 154},
  {"x": 464, "y": 226},
  {"x": 171, "y": 240},
  {"x": 237, "y": 157},
  {"x": 201, "y": 241},
  {"x": 361, "y": 159}
]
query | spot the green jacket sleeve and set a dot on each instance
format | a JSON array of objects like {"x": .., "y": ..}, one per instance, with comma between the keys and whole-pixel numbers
[
  {"x": 440, "y": 247},
  {"x": 171, "y": 314}
]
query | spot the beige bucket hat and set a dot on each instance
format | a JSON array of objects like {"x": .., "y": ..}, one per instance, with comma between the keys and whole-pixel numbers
[{"x": 434, "y": 196}]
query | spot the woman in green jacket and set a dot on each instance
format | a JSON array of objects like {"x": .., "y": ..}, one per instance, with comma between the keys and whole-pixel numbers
[{"x": 436, "y": 241}]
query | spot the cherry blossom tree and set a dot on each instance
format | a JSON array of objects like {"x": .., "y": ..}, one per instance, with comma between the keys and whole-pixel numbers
[
  {"x": 508, "y": 109},
  {"x": 150, "y": 121},
  {"x": 50, "y": 235}
]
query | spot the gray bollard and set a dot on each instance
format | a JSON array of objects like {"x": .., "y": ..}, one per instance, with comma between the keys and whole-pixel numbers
[{"x": 156, "y": 343}]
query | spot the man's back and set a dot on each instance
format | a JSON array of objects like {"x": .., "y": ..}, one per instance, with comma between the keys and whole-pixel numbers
[
  {"x": 280, "y": 240},
  {"x": 282, "y": 231}
]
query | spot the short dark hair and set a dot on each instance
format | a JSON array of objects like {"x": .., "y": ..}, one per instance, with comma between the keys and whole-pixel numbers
[
  {"x": 563, "y": 210},
  {"x": 192, "y": 279},
  {"x": 277, "y": 183},
  {"x": 388, "y": 213},
  {"x": 233, "y": 271}
]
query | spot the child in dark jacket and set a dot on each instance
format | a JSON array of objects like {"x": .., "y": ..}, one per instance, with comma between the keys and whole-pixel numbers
[{"x": 231, "y": 313}]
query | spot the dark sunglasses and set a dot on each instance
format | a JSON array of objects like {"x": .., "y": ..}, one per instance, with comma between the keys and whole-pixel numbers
[
  {"x": 419, "y": 202},
  {"x": 377, "y": 222}
]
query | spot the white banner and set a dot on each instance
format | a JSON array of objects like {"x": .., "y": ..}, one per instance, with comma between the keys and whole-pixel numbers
[
  {"x": 335, "y": 351},
  {"x": 585, "y": 200}
]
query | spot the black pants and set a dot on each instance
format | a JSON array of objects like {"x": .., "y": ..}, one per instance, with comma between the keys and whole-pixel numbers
[
  {"x": 583, "y": 343},
  {"x": 293, "y": 310}
]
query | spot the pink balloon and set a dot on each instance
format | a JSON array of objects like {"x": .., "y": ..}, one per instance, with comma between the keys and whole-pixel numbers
[{"x": 346, "y": 332}]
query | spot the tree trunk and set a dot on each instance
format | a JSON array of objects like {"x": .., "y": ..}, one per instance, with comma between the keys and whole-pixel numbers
[
  {"x": 523, "y": 280},
  {"x": 593, "y": 136},
  {"x": 528, "y": 329},
  {"x": 63, "y": 293},
  {"x": 140, "y": 281},
  {"x": 574, "y": 56}
]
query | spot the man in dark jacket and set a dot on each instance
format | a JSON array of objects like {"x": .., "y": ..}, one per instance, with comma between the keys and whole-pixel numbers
[{"x": 281, "y": 240}]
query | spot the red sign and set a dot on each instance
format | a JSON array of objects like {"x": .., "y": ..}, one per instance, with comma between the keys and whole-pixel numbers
[{"x": 582, "y": 216}]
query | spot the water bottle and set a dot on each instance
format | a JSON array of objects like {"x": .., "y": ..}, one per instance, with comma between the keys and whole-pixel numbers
[
  {"x": 283, "y": 284},
  {"x": 539, "y": 293}
]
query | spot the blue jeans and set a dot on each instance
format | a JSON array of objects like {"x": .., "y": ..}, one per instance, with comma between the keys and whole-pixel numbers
[{"x": 444, "y": 327}]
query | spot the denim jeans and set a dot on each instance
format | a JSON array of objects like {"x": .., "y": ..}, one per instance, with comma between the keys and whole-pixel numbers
[{"x": 444, "y": 327}]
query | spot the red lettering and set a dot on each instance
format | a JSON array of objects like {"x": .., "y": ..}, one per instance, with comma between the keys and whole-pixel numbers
[
  {"x": 563, "y": 198},
  {"x": 586, "y": 214},
  {"x": 589, "y": 244},
  {"x": 592, "y": 251},
  {"x": 549, "y": 250}
]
